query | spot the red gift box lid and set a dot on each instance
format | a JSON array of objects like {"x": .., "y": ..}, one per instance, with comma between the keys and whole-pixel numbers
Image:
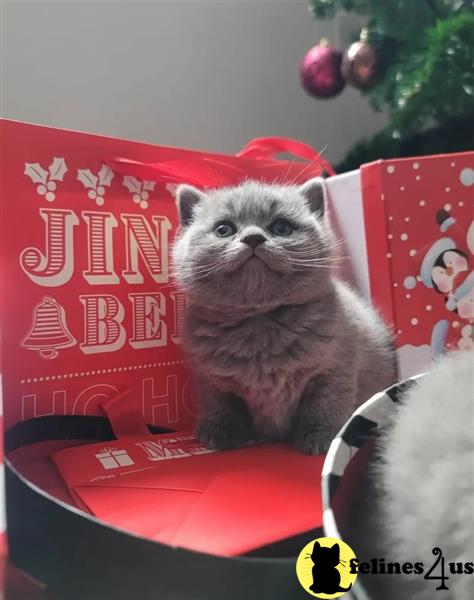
[{"x": 171, "y": 489}]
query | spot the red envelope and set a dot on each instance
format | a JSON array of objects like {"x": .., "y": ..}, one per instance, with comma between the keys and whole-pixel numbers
[{"x": 171, "y": 489}]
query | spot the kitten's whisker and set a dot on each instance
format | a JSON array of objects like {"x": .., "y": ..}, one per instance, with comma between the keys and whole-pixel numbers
[
  {"x": 316, "y": 257},
  {"x": 305, "y": 267},
  {"x": 305, "y": 170},
  {"x": 207, "y": 271},
  {"x": 283, "y": 179},
  {"x": 319, "y": 255},
  {"x": 326, "y": 259},
  {"x": 309, "y": 264},
  {"x": 331, "y": 259},
  {"x": 203, "y": 271},
  {"x": 329, "y": 245},
  {"x": 312, "y": 261}
]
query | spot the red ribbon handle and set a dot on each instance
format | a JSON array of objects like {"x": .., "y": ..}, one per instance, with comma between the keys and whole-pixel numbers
[
  {"x": 269, "y": 147},
  {"x": 125, "y": 415},
  {"x": 207, "y": 171}
]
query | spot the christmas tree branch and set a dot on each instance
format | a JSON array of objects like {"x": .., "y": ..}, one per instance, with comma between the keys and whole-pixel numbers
[
  {"x": 433, "y": 7},
  {"x": 424, "y": 49}
]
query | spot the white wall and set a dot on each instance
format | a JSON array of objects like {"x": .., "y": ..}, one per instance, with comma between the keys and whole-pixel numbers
[{"x": 198, "y": 74}]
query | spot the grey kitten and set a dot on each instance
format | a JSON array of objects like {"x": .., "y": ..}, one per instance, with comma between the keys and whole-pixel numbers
[
  {"x": 426, "y": 477},
  {"x": 279, "y": 348}
]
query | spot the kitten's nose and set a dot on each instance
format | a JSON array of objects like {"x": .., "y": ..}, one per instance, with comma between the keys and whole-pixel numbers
[{"x": 253, "y": 239}]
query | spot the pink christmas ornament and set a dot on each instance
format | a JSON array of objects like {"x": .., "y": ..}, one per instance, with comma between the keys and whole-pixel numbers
[{"x": 320, "y": 71}]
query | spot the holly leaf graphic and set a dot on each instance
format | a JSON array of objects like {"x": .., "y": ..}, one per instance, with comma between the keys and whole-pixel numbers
[
  {"x": 172, "y": 187},
  {"x": 149, "y": 186},
  {"x": 36, "y": 173},
  {"x": 105, "y": 175},
  {"x": 87, "y": 178},
  {"x": 133, "y": 185},
  {"x": 57, "y": 169}
]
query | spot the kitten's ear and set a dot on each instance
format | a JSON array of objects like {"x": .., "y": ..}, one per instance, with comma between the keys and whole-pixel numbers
[
  {"x": 336, "y": 550},
  {"x": 187, "y": 197},
  {"x": 314, "y": 191}
]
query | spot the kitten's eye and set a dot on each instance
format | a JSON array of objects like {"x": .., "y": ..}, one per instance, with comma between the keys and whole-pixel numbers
[
  {"x": 225, "y": 229},
  {"x": 281, "y": 227}
]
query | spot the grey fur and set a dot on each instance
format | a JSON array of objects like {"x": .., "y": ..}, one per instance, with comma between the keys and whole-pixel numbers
[
  {"x": 426, "y": 477},
  {"x": 280, "y": 349}
]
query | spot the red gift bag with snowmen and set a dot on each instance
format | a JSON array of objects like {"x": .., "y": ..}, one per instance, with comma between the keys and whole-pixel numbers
[{"x": 420, "y": 245}]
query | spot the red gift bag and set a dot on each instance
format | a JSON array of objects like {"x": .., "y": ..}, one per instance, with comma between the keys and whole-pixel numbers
[
  {"x": 408, "y": 229},
  {"x": 87, "y": 307},
  {"x": 419, "y": 220},
  {"x": 88, "y": 317}
]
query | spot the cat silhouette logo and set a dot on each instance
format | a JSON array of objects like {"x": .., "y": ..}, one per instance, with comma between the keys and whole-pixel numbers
[{"x": 323, "y": 568}]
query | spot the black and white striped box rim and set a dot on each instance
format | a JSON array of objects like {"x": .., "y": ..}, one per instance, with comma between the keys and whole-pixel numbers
[{"x": 363, "y": 424}]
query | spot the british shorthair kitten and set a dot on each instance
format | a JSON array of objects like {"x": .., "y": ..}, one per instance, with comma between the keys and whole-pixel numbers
[{"x": 279, "y": 348}]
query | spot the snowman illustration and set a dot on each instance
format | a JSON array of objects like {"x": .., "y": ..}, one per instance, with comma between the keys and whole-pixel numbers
[{"x": 445, "y": 269}]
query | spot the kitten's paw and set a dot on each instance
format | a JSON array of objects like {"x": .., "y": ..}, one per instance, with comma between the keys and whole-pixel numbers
[
  {"x": 220, "y": 436},
  {"x": 313, "y": 441}
]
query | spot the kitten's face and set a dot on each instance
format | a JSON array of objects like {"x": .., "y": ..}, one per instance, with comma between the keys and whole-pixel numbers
[{"x": 251, "y": 245}]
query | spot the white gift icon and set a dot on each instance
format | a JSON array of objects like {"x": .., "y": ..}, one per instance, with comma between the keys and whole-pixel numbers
[{"x": 113, "y": 458}]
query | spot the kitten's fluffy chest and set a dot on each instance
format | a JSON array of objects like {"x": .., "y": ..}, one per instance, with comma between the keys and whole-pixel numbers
[
  {"x": 265, "y": 359},
  {"x": 274, "y": 404},
  {"x": 258, "y": 346}
]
